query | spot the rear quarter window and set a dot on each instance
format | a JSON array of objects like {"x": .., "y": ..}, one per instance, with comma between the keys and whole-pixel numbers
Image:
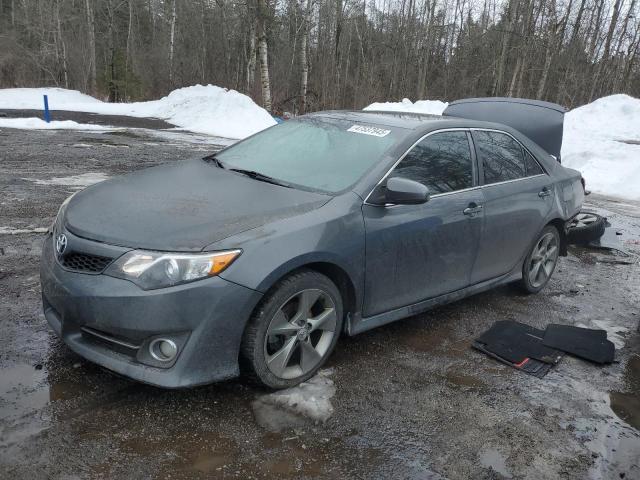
[{"x": 503, "y": 158}]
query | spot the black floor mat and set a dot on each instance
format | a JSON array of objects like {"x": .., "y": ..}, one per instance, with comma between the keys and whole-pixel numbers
[
  {"x": 529, "y": 365},
  {"x": 515, "y": 341},
  {"x": 519, "y": 346},
  {"x": 582, "y": 342}
]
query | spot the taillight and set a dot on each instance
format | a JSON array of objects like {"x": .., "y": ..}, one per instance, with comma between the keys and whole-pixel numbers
[{"x": 584, "y": 186}]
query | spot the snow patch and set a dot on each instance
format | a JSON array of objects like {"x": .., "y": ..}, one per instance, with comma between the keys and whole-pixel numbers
[
  {"x": 34, "y": 123},
  {"x": 19, "y": 231},
  {"x": 76, "y": 181},
  {"x": 202, "y": 109},
  {"x": 602, "y": 140},
  {"x": 431, "y": 107},
  {"x": 289, "y": 408}
]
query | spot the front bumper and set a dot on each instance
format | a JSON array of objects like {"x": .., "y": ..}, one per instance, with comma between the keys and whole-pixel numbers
[{"x": 111, "y": 322}]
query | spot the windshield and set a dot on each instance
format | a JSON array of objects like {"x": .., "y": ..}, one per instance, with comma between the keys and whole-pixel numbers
[{"x": 320, "y": 154}]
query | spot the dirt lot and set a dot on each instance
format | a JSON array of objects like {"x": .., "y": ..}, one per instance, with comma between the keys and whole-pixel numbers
[{"x": 412, "y": 400}]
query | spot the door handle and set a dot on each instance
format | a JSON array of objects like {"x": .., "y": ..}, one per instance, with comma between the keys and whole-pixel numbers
[
  {"x": 472, "y": 209},
  {"x": 545, "y": 192}
]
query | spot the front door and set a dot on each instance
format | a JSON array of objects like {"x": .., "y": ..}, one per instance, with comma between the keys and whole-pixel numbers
[
  {"x": 518, "y": 196},
  {"x": 416, "y": 252}
]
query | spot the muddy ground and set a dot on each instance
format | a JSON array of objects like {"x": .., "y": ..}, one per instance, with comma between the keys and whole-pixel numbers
[{"x": 412, "y": 399}]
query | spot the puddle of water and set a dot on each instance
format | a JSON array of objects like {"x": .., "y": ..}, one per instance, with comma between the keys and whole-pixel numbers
[
  {"x": 493, "y": 459},
  {"x": 23, "y": 393},
  {"x": 294, "y": 407},
  {"x": 458, "y": 379},
  {"x": 76, "y": 181},
  {"x": 626, "y": 405},
  {"x": 203, "y": 452}
]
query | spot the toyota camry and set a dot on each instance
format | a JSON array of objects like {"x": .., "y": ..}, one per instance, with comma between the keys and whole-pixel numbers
[{"x": 256, "y": 259}]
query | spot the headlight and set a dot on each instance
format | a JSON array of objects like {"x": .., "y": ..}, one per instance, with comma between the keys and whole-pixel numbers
[{"x": 150, "y": 270}]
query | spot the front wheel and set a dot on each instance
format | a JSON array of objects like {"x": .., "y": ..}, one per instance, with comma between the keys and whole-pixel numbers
[
  {"x": 541, "y": 261},
  {"x": 293, "y": 331}
]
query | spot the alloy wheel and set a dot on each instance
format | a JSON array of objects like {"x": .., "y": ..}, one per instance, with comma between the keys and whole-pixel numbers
[
  {"x": 300, "y": 333},
  {"x": 543, "y": 260},
  {"x": 584, "y": 220}
]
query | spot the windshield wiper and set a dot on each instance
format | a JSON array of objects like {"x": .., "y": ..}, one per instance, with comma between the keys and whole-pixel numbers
[
  {"x": 260, "y": 176},
  {"x": 213, "y": 159}
]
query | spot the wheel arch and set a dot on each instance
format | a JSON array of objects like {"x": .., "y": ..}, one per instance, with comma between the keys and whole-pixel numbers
[
  {"x": 329, "y": 268},
  {"x": 560, "y": 225}
]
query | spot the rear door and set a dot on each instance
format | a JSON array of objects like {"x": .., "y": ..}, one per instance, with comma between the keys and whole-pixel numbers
[
  {"x": 518, "y": 196},
  {"x": 416, "y": 252}
]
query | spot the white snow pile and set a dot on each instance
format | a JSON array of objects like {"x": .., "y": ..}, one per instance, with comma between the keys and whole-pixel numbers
[
  {"x": 203, "y": 109},
  {"x": 32, "y": 99},
  {"x": 289, "y": 408},
  {"x": 432, "y": 107},
  {"x": 39, "y": 124},
  {"x": 602, "y": 140},
  {"x": 77, "y": 182}
]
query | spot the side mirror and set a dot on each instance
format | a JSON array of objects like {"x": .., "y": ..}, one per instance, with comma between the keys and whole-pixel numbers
[{"x": 401, "y": 191}]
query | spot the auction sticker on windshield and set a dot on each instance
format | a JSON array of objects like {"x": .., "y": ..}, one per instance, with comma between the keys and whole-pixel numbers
[{"x": 376, "y": 132}]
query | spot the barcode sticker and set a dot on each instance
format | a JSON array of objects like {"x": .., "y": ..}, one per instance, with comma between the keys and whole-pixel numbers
[{"x": 376, "y": 132}]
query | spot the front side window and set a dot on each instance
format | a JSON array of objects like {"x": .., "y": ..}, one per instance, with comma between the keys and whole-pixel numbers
[
  {"x": 442, "y": 162},
  {"x": 501, "y": 156},
  {"x": 315, "y": 153}
]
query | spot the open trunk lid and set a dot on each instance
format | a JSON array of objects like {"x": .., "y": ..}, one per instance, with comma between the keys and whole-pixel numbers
[{"x": 541, "y": 121}]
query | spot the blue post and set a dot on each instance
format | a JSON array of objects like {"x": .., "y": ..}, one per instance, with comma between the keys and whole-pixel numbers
[{"x": 47, "y": 116}]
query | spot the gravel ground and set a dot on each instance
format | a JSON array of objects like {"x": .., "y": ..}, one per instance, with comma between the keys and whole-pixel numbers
[{"x": 412, "y": 400}]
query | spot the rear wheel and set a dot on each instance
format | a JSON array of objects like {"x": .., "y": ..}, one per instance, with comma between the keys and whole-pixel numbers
[
  {"x": 293, "y": 331},
  {"x": 541, "y": 261}
]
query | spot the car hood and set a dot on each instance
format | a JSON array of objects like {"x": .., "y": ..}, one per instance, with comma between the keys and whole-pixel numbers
[{"x": 181, "y": 207}]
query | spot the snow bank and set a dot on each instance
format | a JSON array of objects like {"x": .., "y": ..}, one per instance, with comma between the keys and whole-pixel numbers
[
  {"x": 432, "y": 107},
  {"x": 38, "y": 124},
  {"x": 602, "y": 140},
  {"x": 203, "y": 109},
  {"x": 31, "y": 98}
]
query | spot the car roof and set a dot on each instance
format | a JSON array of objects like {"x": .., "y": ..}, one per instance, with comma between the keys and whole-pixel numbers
[
  {"x": 420, "y": 122},
  {"x": 407, "y": 120}
]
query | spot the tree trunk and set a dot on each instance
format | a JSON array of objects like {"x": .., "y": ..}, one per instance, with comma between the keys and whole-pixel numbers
[
  {"x": 63, "y": 46},
  {"x": 506, "y": 37},
  {"x": 607, "y": 48},
  {"x": 550, "y": 50},
  {"x": 304, "y": 64},
  {"x": 172, "y": 38},
  {"x": 251, "y": 55},
  {"x": 92, "y": 47},
  {"x": 264, "y": 55}
]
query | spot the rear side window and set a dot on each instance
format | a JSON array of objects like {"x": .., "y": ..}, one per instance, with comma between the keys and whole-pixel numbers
[
  {"x": 532, "y": 166},
  {"x": 502, "y": 157},
  {"x": 442, "y": 162}
]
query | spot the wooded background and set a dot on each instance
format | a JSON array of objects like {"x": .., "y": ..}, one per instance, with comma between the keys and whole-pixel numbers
[{"x": 297, "y": 55}]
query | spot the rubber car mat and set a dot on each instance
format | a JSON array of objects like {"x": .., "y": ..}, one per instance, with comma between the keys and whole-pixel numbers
[
  {"x": 528, "y": 365},
  {"x": 585, "y": 343},
  {"x": 515, "y": 342}
]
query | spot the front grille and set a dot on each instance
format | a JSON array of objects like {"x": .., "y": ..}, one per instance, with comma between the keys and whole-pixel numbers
[{"x": 84, "y": 262}]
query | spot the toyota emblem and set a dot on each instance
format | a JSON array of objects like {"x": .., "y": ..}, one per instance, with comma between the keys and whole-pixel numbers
[{"x": 61, "y": 243}]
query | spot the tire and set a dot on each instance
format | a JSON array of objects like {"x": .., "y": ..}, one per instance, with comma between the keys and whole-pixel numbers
[
  {"x": 300, "y": 315},
  {"x": 585, "y": 227},
  {"x": 541, "y": 261}
]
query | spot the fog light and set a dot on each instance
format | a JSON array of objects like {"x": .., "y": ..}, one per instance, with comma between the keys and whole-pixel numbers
[{"x": 163, "y": 349}]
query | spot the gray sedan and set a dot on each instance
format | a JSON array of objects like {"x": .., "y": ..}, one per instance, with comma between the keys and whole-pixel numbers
[{"x": 256, "y": 259}]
